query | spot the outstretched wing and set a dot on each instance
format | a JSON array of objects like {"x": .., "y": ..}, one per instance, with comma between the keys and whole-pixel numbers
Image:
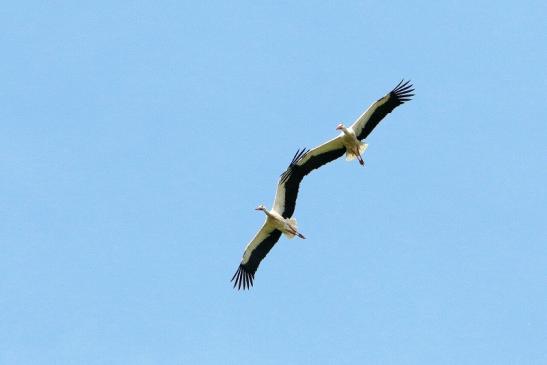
[
  {"x": 268, "y": 235},
  {"x": 254, "y": 253},
  {"x": 303, "y": 163},
  {"x": 382, "y": 107},
  {"x": 320, "y": 155}
]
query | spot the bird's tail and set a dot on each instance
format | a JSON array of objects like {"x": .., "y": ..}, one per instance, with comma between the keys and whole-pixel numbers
[
  {"x": 289, "y": 235},
  {"x": 351, "y": 156},
  {"x": 290, "y": 223}
]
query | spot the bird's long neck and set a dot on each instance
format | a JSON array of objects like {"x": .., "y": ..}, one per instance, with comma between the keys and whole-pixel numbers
[
  {"x": 268, "y": 214},
  {"x": 345, "y": 130}
]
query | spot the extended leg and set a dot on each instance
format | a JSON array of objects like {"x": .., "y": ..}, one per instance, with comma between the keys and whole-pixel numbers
[
  {"x": 296, "y": 233},
  {"x": 358, "y": 155}
]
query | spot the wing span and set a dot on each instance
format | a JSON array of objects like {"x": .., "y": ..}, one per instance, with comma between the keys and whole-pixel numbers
[{"x": 382, "y": 107}]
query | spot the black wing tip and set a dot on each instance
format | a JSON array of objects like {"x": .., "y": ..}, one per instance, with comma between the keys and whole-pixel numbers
[
  {"x": 403, "y": 91},
  {"x": 300, "y": 153},
  {"x": 243, "y": 278}
]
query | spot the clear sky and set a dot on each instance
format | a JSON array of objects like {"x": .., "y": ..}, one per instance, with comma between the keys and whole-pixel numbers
[{"x": 136, "y": 138}]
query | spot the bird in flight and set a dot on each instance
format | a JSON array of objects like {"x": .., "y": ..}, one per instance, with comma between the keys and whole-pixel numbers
[
  {"x": 279, "y": 219},
  {"x": 349, "y": 140}
]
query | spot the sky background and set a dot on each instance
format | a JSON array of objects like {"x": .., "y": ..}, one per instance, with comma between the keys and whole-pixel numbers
[{"x": 136, "y": 138}]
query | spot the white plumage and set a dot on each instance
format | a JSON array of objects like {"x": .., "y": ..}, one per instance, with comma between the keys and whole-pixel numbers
[{"x": 279, "y": 220}]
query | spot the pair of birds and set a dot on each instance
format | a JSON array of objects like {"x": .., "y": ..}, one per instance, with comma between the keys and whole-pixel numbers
[{"x": 279, "y": 220}]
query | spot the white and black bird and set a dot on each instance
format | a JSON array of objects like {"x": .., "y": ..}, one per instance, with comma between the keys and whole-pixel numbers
[
  {"x": 278, "y": 220},
  {"x": 349, "y": 140}
]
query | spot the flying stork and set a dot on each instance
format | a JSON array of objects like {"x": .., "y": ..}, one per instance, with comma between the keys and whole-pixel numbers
[
  {"x": 278, "y": 220},
  {"x": 349, "y": 140}
]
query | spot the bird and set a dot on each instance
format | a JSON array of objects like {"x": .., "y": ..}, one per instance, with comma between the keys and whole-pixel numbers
[
  {"x": 278, "y": 221},
  {"x": 349, "y": 140}
]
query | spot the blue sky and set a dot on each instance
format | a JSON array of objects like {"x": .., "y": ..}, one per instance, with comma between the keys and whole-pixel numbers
[{"x": 137, "y": 137}]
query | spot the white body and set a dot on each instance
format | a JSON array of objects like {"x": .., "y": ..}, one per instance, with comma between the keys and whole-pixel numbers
[
  {"x": 274, "y": 221},
  {"x": 354, "y": 147},
  {"x": 286, "y": 225}
]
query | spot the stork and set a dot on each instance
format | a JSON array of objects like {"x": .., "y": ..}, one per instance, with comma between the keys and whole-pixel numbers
[
  {"x": 279, "y": 221},
  {"x": 349, "y": 140}
]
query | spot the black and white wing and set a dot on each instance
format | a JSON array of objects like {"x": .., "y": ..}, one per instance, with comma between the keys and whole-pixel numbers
[
  {"x": 319, "y": 156},
  {"x": 268, "y": 235},
  {"x": 286, "y": 194},
  {"x": 302, "y": 164},
  {"x": 382, "y": 107},
  {"x": 255, "y": 251}
]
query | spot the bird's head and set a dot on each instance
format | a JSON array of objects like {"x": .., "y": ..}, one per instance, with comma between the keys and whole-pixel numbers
[
  {"x": 340, "y": 127},
  {"x": 261, "y": 207}
]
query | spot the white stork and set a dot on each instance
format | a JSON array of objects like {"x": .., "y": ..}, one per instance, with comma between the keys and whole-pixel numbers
[
  {"x": 349, "y": 140},
  {"x": 278, "y": 220}
]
